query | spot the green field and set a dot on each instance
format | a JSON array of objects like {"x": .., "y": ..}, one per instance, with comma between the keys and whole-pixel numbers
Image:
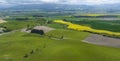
[
  {"x": 17, "y": 44},
  {"x": 21, "y": 46},
  {"x": 101, "y": 24}
]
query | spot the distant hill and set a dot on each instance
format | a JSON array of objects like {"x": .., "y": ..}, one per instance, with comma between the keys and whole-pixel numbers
[
  {"x": 106, "y": 8},
  {"x": 47, "y": 7},
  {"x": 4, "y": 6}
]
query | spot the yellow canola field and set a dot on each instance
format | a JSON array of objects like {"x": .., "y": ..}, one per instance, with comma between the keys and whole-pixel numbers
[
  {"x": 86, "y": 28},
  {"x": 94, "y": 14}
]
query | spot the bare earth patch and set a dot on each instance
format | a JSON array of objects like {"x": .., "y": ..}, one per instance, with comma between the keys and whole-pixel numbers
[
  {"x": 102, "y": 40},
  {"x": 44, "y": 28},
  {"x": 2, "y": 21}
]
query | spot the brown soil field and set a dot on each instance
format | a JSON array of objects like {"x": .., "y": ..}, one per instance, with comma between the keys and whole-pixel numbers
[{"x": 102, "y": 40}]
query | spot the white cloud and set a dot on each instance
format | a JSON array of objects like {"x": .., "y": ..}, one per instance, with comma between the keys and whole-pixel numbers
[
  {"x": 62, "y": 1},
  {"x": 50, "y": 1},
  {"x": 92, "y": 1},
  {"x": 102, "y": 1},
  {"x": 3, "y": 1}
]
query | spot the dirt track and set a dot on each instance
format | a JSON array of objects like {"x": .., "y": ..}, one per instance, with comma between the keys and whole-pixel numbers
[{"x": 102, "y": 40}]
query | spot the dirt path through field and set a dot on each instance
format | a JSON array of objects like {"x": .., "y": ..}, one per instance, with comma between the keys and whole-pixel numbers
[{"x": 102, "y": 40}]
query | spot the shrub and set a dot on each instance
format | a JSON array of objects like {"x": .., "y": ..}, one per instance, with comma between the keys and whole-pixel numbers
[{"x": 41, "y": 32}]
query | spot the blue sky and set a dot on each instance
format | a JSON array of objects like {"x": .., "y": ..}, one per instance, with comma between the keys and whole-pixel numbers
[{"x": 91, "y": 2}]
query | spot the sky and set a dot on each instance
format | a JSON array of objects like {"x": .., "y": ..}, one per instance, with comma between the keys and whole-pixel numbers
[{"x": 91, "y": 2}]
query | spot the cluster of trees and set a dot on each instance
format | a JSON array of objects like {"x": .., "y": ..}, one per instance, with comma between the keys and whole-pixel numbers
[
  {"x": 41, "y": 32},
  {"x": 37, "y": 50},
  {"x": 43, "y": 21},
  {"x": 18, "y": 18},
  {"x": 55, "y": 36},
  {"x": 26, "y": 18},
  {"x": 37, "y": 15},
  {"x": 5, "y": 29}
]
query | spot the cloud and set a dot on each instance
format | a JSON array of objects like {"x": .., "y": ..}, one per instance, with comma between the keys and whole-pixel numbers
[
  {"x": 60, "y": 1},
  {"x": 22, "y": 1},
  {"x": 102, "y": 1},
  {"x": 50, "y": 1},
  {"x": 3, "y": 1},
  {"x": 92, "y": 1}
]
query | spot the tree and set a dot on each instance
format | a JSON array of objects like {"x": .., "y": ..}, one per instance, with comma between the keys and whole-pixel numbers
[
  {"x": 62, "y": 37},
  {"x": 64, "y": 19},
  {"x": 32, "y": 52},
  {"x": 41, "y": 32},
  {"x": 26, "y": 55},
  {"x": 28, "y": 26}
]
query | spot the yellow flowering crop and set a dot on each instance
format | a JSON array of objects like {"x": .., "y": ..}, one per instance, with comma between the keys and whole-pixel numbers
[
  {"x": 86, "y": 28},
  {"x": 94, "y": 14}
]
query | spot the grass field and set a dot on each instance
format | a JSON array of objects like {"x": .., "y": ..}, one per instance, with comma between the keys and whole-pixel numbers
[
  {"x": 15, "y": 25},
  {"x": 101, "y": 24},
  {"x": 20, "y": 46},
  {"x": 17, "y": 44}
]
